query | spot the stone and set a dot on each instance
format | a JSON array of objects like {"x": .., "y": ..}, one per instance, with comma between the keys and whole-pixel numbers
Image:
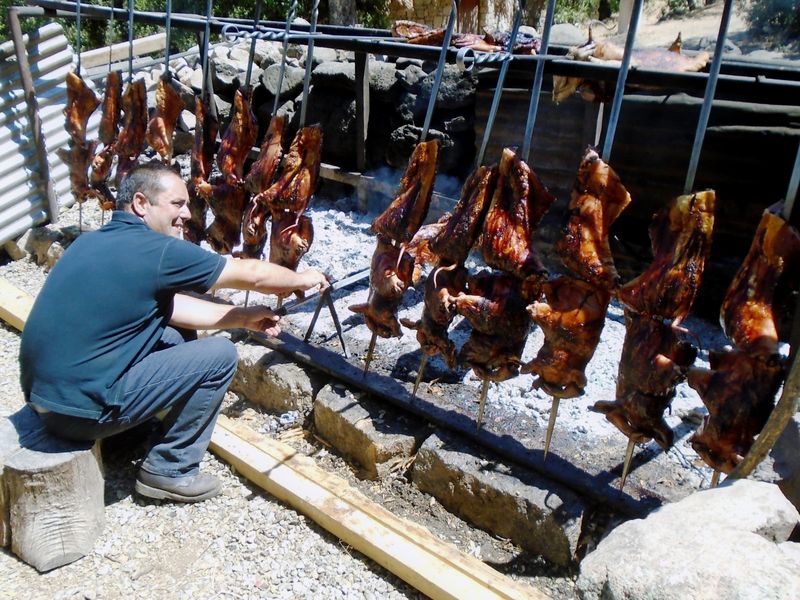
[
  {"x": 335, "y": 75},
  {"x": 182, "y": 142},
  {"x": 364, "y": 430},
  {"x": 196, "y": 80},
  {"x": 15, "y": 249},
  {"x": 187, "y": 121},
  {"x": 457, "y": 89},
  {"x": 566, "y": 34},
  {"x": 292, "y": 81},
  {"x": 227, "y": 77},
  {"x": 382, "y": 79},
  {"x": 727, "y": 542},
  {"x": 268, "y": 379},
  {"x": 38, "y": 242},
  {"x": 410, "y": 77},
  {"x": 786, "y": 461},
  {"x": 324, "y": 55},
  {"x": 535, "y": 513}
]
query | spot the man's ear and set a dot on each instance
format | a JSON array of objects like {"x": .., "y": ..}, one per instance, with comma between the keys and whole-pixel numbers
[{"x": 139, "y": 204}]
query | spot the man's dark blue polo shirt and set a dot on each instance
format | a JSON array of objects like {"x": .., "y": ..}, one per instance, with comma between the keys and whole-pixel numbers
[{"x": 102, "y": 309}]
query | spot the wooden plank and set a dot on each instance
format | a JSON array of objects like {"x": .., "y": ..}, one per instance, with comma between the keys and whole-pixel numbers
[
  {"x": 15, "y": 305},
  {"x": 407, "y": 549},
  {"x": 146, "y": 45}
]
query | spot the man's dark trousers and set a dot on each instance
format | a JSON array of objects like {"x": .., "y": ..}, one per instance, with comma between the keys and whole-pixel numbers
[{"x": 186, "y": 378}]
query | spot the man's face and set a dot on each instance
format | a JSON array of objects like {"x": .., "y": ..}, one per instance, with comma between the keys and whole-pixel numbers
[{"x": 170, "y": 208}]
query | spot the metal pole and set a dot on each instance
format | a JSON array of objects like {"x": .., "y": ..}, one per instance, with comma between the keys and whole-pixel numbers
[
  {"x": 206, "y": 47},
  {"x": 252, "y": 56},
  {"x": 791, "y": 191},
  {"x": 309, "y": 63},
  {"x": 289, "y": 18},
  {"x": 616, "y": 105},
  {"x": 448, "y": 34},
  {"x": 78, "y": 34},
  {"x": 498, "y": 91},
  {"x": 168, "y": 32},
  {"x": 708, "y": 99},
  {"x": 537, "y": 81},
  {"x": 130, "y": 40}
]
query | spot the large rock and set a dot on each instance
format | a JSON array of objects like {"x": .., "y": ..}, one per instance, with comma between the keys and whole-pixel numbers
[
  {"x": 728, "y": 542},
  {"x": 786, "y": 461},
  {"x": 291, "y": 85},
  {"x": 539, "y": 515},
  {"x": 382, "y": 79},
  {"x": 267, "y": 378},
  {"x": 364, "y": 430},
  {"x": 335, "y": 75},
  {"x": 456, "y": 90}
]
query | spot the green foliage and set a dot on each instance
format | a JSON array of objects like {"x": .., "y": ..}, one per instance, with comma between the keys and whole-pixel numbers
[
  {"x": 772, "y": 17},
  {"x": 579, "y": 11}
]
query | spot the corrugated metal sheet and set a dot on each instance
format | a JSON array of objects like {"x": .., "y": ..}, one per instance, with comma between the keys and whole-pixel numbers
[{"x": 23, "y": 199}]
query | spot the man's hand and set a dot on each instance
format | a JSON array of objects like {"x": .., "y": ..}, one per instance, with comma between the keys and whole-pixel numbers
[
  {"x": 261, "y": 319},
  {"x": 313, "y": 278}
]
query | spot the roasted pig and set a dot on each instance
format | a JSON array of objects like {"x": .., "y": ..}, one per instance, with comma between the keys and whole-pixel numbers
[
  {"x": 441, "y": 289},
  {"x": 161, "y": 128},
  {"x": 654, "y": 360},
  {"x": 681, "y": 238},
  {"x": 406, "y": 213},
  {"x": 81, "y": 103},
  {"x": 390, "y": 275},
  {"x": 739, "y": 391},
  {"x": 239, "y": 138},
  {"x": 227, "y": 203},
  {"x": 78, "y": 158},
  {"x": 462, "y": 229},
  {"x": 598, "y": 198},
  {"x": 103, "y": 161},
  {"x": 572, "y": 317},
  {"x": 495, "y": 307},
  {"x": 205, "y": 134},
  {"x": 130, "y": 142},
  {"x": 291, "y": 238},
  {"x": 748, "y": 311},
  {"x": 518, "y": 204},
  {"x": 420, "y": 246}
]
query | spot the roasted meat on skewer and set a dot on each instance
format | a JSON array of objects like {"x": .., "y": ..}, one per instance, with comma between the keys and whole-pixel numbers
[
  {"x": 237, "y": 141},
  {"x": 161, "y": 128},
  {"x": 291, "y": 238},
  {"x": 78, "y": 157},
  {"x": 518, "y": 204},
  {"x": 81, "y": 103},
  {"x": 405, "y": 215},
  {"x": 681, "y": 238},
  {"x": 748, "y": 311},
  {"x": 391, "y": 271},
  {"x": 495, "y": 307},
  {"x": 598, "y": 198},
  {"x": 130, "y": 142},
  {"x": 420, "y": 247},
  {"x": 654, "y": 360},
  {"x": 259, "y": 179},
  {"x": 227, "y": 203},
  {"x": 109, "y": 127},
  {"x": 572, "y": 318},
  {"x": 205, "y": 134},
  {"x": 739, "y": 392}
]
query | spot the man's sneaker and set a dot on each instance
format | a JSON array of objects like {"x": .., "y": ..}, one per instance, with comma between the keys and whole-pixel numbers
[{"x": 192, "y": 488}]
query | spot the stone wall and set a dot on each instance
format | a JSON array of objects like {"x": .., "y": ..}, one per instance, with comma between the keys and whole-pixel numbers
[{"x": 485, "y": 15}]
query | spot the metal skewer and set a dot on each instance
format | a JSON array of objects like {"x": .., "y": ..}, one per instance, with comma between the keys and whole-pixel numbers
[
  {"x": 78, "y": 72},
  {"x": 482, "y": 403},
  {"x": 312, "y": 29},
  {"x": 537, "y": 81},
  {"x": 715, "y": 478},
  {"x": 551, "y": 425},
  {"x": 626, "y": 466},
  {"x": 289, "y": 18},
  {"x": 130, "y": 41},
  {"x": 370, "y": 350},
  {"x": 420, "y": 371}
]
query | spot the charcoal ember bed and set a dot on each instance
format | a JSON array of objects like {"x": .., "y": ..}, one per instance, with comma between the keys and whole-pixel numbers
[{"x": 586, "y": 452}]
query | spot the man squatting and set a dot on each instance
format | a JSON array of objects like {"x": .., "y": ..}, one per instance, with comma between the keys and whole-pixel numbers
[{"x": 110, "y": 342}]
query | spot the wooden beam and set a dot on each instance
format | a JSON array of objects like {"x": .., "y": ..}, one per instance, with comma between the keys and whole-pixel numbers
[
  {"x": 146, "y": 45},
  {"x": 15, "y": 305},
  {"x": 407, "y": 549}
]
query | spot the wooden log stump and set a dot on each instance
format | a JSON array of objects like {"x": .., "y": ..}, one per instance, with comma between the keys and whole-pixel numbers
[{"x": 52, "y": 507}]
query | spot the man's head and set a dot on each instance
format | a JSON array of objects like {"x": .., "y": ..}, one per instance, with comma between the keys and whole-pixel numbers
[{"x": 154, "y": 192}]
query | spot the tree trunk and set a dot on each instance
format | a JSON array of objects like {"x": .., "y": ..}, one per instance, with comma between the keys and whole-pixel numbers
[{"x": 342, "y": 12}]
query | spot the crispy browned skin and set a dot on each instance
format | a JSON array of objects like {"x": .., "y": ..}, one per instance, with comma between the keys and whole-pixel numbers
[
  {"x": 78, "y": 157},
  {"x": 441, "y": 288},
  {"x": 407, "y": 212},
  {"x": 681, "y": 239},
  {"x": 291, "y": 238},
  {"x": 518, "y": 204},
  {"x": 298, "y": 180},
  {"x": 654, "y": 360},
  {"x": 112, "y": 105},
  {"x": 161, "y": 128},
  {"x": 572, "y": 318},
  {"x": 130, "y": 142},
  {"x": 462, "y": 229},
  {"x": 227, "y": 203},
  {"x": 259, "y": 179},
  {"x": 205, "y": 134},
  {"x": 420, "y": 247},
  {"x": 81, "y": 103},
  {"x": 747, "y": 313},
  {"x": 390, "y": 274},
  {"x": 598, "y": 198},
  {"x": 237, "y": 141},
  {"x": 739, "y": 392},
  {"x": 495, "y": 308}
]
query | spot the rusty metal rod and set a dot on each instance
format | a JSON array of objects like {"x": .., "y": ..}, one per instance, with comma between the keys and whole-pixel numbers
[{"x": 708, "y": 98}]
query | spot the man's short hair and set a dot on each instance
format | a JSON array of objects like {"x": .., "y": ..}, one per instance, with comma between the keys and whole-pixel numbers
[{"x": 146, "y": 178}]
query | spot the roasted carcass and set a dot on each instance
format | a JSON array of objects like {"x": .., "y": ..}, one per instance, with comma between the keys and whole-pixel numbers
[
  {"x": 681, "y": 239},
  {"x": 518, "y": 204},
  {"x": 417, "y": 33},
  {"x": 103, "y": 161},
  {"x": 598, "y": 198},
  {"x": 130, "y": 142},
  {"x": 205, "y": 134},
  {"x": 748, "y": 311},
  {"x": 420, "y": 247},
  {"x": 391, "y": 271},
  {"x": 78, "y": 157},
  {"x": 572, "y": 317},
  {"x": 81, "y": 103},
  {"x": 739, "y": 392},
  {"x": 259, "y": 179},
  {"x": 161, "y": 128},
  {"x": 495, "y": 307},
  {"x": 292, "y": 236},
  {"x": 406, "y": 213},
  {"x": 654, "y": 360}
]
